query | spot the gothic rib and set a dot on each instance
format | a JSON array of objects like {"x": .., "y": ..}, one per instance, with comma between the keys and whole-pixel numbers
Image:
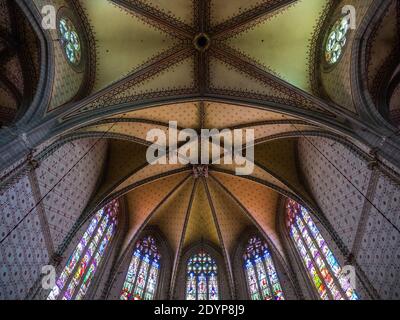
[
  {"x": 270, "y": 122},
  {"x": 104, "y": 97},
  {"x": 124, "y": 254},
  {"x": 202, "y": 20},
  {"x": 157, "y": 18},
  {"x": 202, "y": 14},
  {"x": 279, "y": 255},
  {"x": 289, "y": 194},
  {"x": 201, "y": 72},
  {"x": 42, "y": 97},
  {"x": 225, "y": 253},
  {"x": 245, "y": 20},
  {"x": 298, "y": 96},
  {"x": 362, "y": 96},
  {"x": 130, "y": 120},
  {"x": 150, "y": 215},
  {"x": 178, "y": 253},
  {"x": 110, "y": 195}
]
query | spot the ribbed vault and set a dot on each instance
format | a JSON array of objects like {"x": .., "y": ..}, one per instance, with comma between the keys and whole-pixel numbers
[
  {"x": 127, "y": 167},
  {"x": 169, "y": 64},
  {"x": 215, "y": 206},
  {"x": 203, "y": 64}
]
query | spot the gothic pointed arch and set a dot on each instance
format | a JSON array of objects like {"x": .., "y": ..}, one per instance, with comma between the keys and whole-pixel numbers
[
  {"x": 20, "y": 53},
  {"x": 318, "y": 259},
  {"x": 76, "y": 276},
  {"x": 144, "y": 272},
  {"x": 258, "y": 274},
  {"x": 202, "y": 274}
]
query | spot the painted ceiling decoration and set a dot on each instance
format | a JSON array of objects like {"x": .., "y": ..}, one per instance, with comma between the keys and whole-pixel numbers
[
  {"x": 151, "y": 54},
  {"x": 188, "y": 203},
  {"x": 273, "y": 159},
  {"x": 214, "y": 209},
  {"x": 200, "y": 50},
  {"x": 119, "y": 69}
]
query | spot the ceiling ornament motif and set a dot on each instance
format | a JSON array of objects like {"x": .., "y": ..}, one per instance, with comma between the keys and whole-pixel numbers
[
  {"x": 281, "y": 91},
  {"x": 145, "y": 177},
  {"x": 209, "y": 199},
  {"x": 205, "y": 44},
  {"x": 200, "y": 171}
]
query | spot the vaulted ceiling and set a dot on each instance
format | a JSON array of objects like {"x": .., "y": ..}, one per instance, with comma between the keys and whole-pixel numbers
[
  {"x": 205, "y": 65},
  {"x": 383, "y": 63},
  {"x": 215, "y": 207},
  {"x": 158, "y": 51},
  {"x": 159, "y": 61},
  {"x": 149, "y": 53}
]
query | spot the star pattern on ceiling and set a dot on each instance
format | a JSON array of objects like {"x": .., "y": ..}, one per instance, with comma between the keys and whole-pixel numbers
[{"x": 202, "y": 58}]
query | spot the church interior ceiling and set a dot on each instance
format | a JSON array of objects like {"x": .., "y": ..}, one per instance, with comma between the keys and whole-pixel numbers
[{"x": 130, "y": 67}]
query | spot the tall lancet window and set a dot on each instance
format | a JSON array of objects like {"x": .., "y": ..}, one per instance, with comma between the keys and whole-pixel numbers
[
  {"x": 202, "y": 277},
  {"x": 85, "y": 260},
  {"x": 262, "y": 279},
  {"x": 322, "y": 266},
  {"x": 143, "y": 273}
]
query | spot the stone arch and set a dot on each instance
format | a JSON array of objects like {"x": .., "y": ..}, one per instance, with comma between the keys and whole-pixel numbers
[
  {"x": 180, "y": 283},
  {"x": 118, "y": 273},
  {"x": 287, "y": 281}
]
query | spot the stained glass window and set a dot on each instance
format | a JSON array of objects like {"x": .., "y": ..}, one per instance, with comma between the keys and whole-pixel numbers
[
  {"x": 78, "y": 273},
  {"x": 322, "y": 266},
  {"x": 337, "y": 40},
  {"x": 70, "y": 41},
  {"x": 143, "y": 272},
  {"x": 262, "y": 279},
  {"x": 202, "y": 277}
]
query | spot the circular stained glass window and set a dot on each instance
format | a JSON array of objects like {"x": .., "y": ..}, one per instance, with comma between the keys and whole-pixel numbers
[
  {"x": 70, "y": 41},
  {"x": 337, "y": 40}
]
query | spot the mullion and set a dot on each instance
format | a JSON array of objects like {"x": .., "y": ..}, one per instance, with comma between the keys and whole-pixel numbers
[
  {"x": 67, "y": 283},
  {"x": 314, "y": 262},
  {"x": 268, "y": 279},
  {"x": 323, "y": 256},
  {"x": 147, "y": 278},
  {"x": 78, "y": 286},
  {"x": 257, "y": 280}
]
